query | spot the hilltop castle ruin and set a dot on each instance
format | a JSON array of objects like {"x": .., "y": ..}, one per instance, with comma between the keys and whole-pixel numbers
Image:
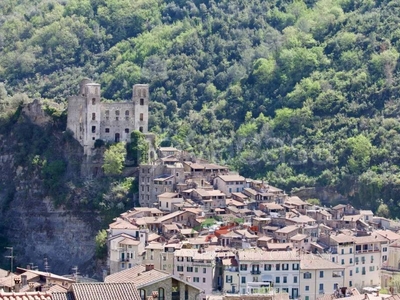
[{"x": 89, "y": 119}]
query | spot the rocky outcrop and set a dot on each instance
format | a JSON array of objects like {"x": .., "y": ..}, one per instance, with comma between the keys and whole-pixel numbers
[{"x": 33, "y": 225}]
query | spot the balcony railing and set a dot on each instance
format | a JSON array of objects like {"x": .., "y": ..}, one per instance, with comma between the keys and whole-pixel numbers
[
  {"x": 389, "y": 268},
  {"x": 255, "y": 272},
  {"x": 368, "y": 250}
]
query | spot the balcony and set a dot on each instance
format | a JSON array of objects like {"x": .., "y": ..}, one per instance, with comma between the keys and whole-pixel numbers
[
  {"x": 391, "y": 269},
  {"x": 255, "y": 272},
  {"x": 370, "y": 250}
]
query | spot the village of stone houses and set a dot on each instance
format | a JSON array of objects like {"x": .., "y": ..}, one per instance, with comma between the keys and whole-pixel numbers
[{"x": 205, "y": 232}]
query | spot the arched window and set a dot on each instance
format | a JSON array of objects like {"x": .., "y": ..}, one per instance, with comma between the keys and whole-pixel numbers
[
  {"x": 141, "y": 101},
  {"x": 161, "y": 294},
  {"x": 142, "y": 294},
  {"x": 93, "y": 116},
  {"x": 141, "y": 129},
  {"x": 141, "y": 117},
  {"x": 107, "y": 114},
  {"x": 117, "y": 115},
  {"x": 127, "y": 115},
  {"x": 93, "y": 101}
]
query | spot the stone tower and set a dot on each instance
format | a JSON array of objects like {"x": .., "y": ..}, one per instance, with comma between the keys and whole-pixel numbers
[{"x": 140, "y": 98}]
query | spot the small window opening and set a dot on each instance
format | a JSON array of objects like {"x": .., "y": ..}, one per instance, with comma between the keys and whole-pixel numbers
[
  {"x": 93, "y": 129},
  {"x": 93, "y": 116}
]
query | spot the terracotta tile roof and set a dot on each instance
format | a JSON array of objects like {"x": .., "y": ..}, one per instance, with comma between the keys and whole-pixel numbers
[
  {"x": 122, "y": 224},
  {"x": 58, "y": 288},
  {"x": 138, "y": 276},
  {"x": 296, "y": 201},
  {"x": 279, "y": 246},
  {"x": 313, "y": 262},
  {"x": 25, "y": 296},
  {"x": 390, "y": 235},
  {"x": 288, "y": 229},
  {"x": 298, "y": 237},
  {"x": 105, "y": 291},
  {"x": 168, "y": 195},
  {"x": 228, "y": 178},
  {"x": 62, "y": 296}
]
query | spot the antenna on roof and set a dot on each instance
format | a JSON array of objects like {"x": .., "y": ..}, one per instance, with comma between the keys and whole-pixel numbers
[{"x": 76, "y": 273}]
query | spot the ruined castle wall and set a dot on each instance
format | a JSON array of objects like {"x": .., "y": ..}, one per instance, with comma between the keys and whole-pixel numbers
[{"x": 117, "y": 121}]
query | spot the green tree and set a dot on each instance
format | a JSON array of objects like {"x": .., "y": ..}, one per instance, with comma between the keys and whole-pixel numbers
[
  {"x": 101, "y": 244},
  {"x": 114, "y": 158},
  {"x": 138, "y": 148},
  {"x": 383, "y": 210}
]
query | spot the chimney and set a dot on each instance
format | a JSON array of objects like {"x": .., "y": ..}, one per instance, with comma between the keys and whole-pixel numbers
[
  {"x": 24, "y": 280},
  {"x": 28, "y": 267},
  {"x": 149, "y": 267}
]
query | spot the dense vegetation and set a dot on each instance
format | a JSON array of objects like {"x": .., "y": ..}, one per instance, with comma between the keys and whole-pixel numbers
[{"x": 301, "y": 93}]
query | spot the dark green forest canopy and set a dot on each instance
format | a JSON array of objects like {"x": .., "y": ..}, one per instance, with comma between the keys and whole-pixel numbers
[{"x": 300, "y": 93}]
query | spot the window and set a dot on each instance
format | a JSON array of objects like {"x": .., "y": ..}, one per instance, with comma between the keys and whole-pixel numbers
[
  {"x": 243, "y": 267},
  {"x": 204, "y": 280},
  {"x": 141, "y": 101},
  {"x": 321, "y": 288},
  {"x": 350, "y": 283},
  {"x": 123, "y": 265},
  {"x": 277, "y": 279},
  {"x": 161, "y": 294},
  {"x": 307, "y": 288},
  {"x": 179, "y": 258},
  {"x": 141, "y": 129},
  {"x": 107, "y": 130},
  {"x": 93, "y": 129},
  {"x": 189, "y": 269},
  {"x": 284, "y": 279},
  {"x": 93, "y": 116},
  {"x": 204, "y": 270},
  {"x": 228, "y": 278},
  {"x": 342, "y": 251},
  {"x": 351, "y": 250},
  {"x": 285, "y": 267},
  {"x": 363, "y": 271},
  {"x": 243, "y": 279},
  {"x": 126, "y": 130},
  {"x": 321, "y": 274},
  {"x": 107, "y": 114},
  {"x": 93, "y": 101},
  {"x": 278, "y": 267},
  {"x": 196, "y": 269},
  {"x": 179, "y": 268},
  {"x": 295, "y": 266},
  {"x": 357, "y": 270},
  {"x": 351, "y": 260},
  {"x": 342, "y": 261},
  {"x": 196, "y": 279},
  {"x": 142, "y": 294},
  {"x": 127, "y": 115},
  {"x": 141, "y": 117},
  {"x": 372, "y": 268},
  {"x": 307, "y": 275},
  {"x": 384, "y": 249},
  {"x": 294, "y": 279},
  {"x": 117, "y": 115},
  {"x": 267, "y": 267},
  {"x": 351, "y": 272}
]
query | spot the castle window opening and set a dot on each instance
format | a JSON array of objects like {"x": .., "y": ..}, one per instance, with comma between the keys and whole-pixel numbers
[
  {"x": 117, "y": 137},
  {"x": 107, "y": 130},
  {"x": 126, "y": 130},
  {"x": 93, "y": 116},
  {"x": 141, "y": 117},
  {"x": 144, "y": 93},
  {"x": 141, "y": 129},
  {"x": 141, "y": 101},
  {"x": 93, "y": 129},
  {"x": 93, "y": 101},
  {"x": 117, "y": 115},
  {"x": 107, "y": 114},
  {"x": 93, "y": 138},
  {"x": 127, "y": 115}
]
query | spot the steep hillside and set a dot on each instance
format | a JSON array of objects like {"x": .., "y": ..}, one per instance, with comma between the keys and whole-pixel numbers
[
  {"x": 49, "y": 206},
  {"x": 301, "y": 93}
]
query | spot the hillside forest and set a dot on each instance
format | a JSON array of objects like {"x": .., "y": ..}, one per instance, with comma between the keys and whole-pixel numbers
[{"x": 301, "y": 93}]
